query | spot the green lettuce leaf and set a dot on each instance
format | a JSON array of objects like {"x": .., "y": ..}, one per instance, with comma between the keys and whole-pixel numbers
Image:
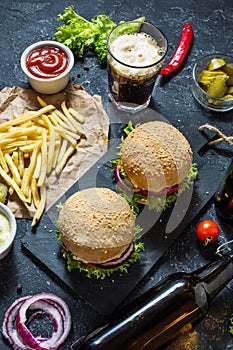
[
  {"x": 79, "y": 34},
  {"x": 159, "y": 203},
  {"x": 100, "y": 273}
]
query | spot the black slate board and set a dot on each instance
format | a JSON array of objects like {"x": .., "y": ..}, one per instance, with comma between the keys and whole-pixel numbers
[{"x": 159, "y": 230}]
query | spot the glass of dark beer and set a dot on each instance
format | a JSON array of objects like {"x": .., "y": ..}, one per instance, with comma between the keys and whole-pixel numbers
[{"x": 136, "y": 51}]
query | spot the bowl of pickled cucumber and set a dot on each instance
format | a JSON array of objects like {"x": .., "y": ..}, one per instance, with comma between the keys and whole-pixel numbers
[{"x": 212, "y": 85}]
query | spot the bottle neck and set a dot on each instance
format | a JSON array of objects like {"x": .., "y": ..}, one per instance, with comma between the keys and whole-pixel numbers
[{"x": 216, "y": 275}]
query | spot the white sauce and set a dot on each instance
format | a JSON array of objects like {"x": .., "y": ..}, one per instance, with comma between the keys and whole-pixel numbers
[{"x": 4, "y": 229}]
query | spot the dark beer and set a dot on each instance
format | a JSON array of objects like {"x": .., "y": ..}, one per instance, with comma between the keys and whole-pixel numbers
[
  {"x": 130, "y": 91},
  {"x": 134, "y": 61}
]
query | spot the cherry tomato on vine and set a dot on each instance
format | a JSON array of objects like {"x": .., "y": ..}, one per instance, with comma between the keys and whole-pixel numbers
[{"x": 207, "y": 232}]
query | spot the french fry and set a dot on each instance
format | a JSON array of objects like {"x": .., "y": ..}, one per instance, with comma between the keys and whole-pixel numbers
[
  {"x": 10, "y": 150},
  {"x": 51, "y": 144},
  {"x": 24, "y": 114},
  {"x": 41, "y": 101},
  {"x": 10, "y": 141},
  {"x": 56, "y": 152},
  {"x": 76, "y": 115},
  {"x": 26, "y": 183},
  {"x": 54, "y": 119},
  {"x": 3, "y": 162},
  {"x": 14, "y": 185},
  {"x": 32, "y": 145},
  {"x": 25, "y": 188},
  {"x": 68, "y": 135},
  {"x": 64, "y": 121},
  {"x": 21, "y": 163},
  {"x": 15, "y": 158},
  {"x": 62, "y": 150},
  {"x": 51, "y": 149},
  {"x": 41, "y": 206},
  {"x": 37, "y": 168},
  {"x": 20, "y": 131},
  {"x": 72, "y": 120},
  {"x": 13, "y": 169},
  {"x": 43, "y": 170},
  {"x": 26, "y": 118},
  {"x": 65, "y": 158},
  {"x": 20, "y": 143},
  {"x": 35, "y": 192}
]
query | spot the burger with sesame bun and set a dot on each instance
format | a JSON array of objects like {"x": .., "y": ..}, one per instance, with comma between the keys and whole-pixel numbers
[
  {"x": 98, "y": 232},
  {"x": 155, "y": 163}
]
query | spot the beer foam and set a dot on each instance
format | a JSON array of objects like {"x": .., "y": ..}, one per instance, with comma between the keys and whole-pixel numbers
[{"x": 136, "y": 49}]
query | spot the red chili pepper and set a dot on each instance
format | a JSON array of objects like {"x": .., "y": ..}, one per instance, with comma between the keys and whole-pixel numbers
[{"x": 181, "y": 50}]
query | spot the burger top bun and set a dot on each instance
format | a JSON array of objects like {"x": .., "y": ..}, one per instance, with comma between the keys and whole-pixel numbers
[
  {"x": 96, "y": 225},
  {"x": 156, "y": 155}
]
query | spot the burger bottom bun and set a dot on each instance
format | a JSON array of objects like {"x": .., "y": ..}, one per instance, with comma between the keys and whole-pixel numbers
[{"x": 94, "y": 255}]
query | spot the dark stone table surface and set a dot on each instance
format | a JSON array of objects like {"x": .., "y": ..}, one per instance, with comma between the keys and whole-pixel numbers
[{"x": 25, "y": 22}]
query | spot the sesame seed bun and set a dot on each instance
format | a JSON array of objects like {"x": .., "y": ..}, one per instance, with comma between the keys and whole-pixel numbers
[
  {"x": 96, "y": 225},
  {"x": 156, "y": 155}
]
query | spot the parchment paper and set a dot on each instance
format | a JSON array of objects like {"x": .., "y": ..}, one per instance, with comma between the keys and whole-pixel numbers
[{"x": 89, "y": 149}]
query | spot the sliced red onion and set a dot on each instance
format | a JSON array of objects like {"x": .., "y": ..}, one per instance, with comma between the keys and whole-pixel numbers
[
  {"x": 21, "y": 338},
  {"x": 8, "y": 330},
  {"x": 119, "y": 261},
  {"x": 124, "y": 185},
  {"x": 121, "y": 183}
]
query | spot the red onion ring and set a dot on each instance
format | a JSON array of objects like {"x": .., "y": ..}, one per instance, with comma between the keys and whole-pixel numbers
[
  {"x": 125, "y": 186},
  {"x": 15, "y": 322},
  {"x": 119, "y": 261},
  {"x": 8, "y": 330}
]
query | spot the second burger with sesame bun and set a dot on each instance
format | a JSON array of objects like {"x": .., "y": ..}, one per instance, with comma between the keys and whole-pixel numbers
[
  {"x": 98, "y": 232},
  {"x": 156, "y": 160}
]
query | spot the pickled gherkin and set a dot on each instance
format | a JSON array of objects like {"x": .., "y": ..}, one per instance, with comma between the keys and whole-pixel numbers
[
  {"x": 230, "y": 81},
  {"x": 217, "y": 79},
  {"x": 215, "y": 63},
  {"x": 207, "y": 77},
  {"x": 218, "y": 88},
  {"x": 228, "y": 69}
]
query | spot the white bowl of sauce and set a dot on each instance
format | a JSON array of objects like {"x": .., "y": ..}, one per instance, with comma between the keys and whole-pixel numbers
[
  {"x": 7, "y": 230},
  {"x": 47, "y": 65}
]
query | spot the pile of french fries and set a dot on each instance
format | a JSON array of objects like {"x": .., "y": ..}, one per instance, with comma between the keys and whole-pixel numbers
[{"x": 32, "y": 145}]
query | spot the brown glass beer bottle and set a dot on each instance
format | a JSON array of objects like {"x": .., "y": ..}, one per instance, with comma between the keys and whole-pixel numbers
[
  {"x": 164, "y": 311},
  {"x": 224, "y": 198}
]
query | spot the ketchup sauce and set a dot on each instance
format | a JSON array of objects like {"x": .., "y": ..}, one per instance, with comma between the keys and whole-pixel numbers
[{"x": 47, "y": 62}]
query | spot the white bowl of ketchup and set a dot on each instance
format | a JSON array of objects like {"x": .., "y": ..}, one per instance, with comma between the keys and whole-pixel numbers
[{"x": 47, "y": 65}]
